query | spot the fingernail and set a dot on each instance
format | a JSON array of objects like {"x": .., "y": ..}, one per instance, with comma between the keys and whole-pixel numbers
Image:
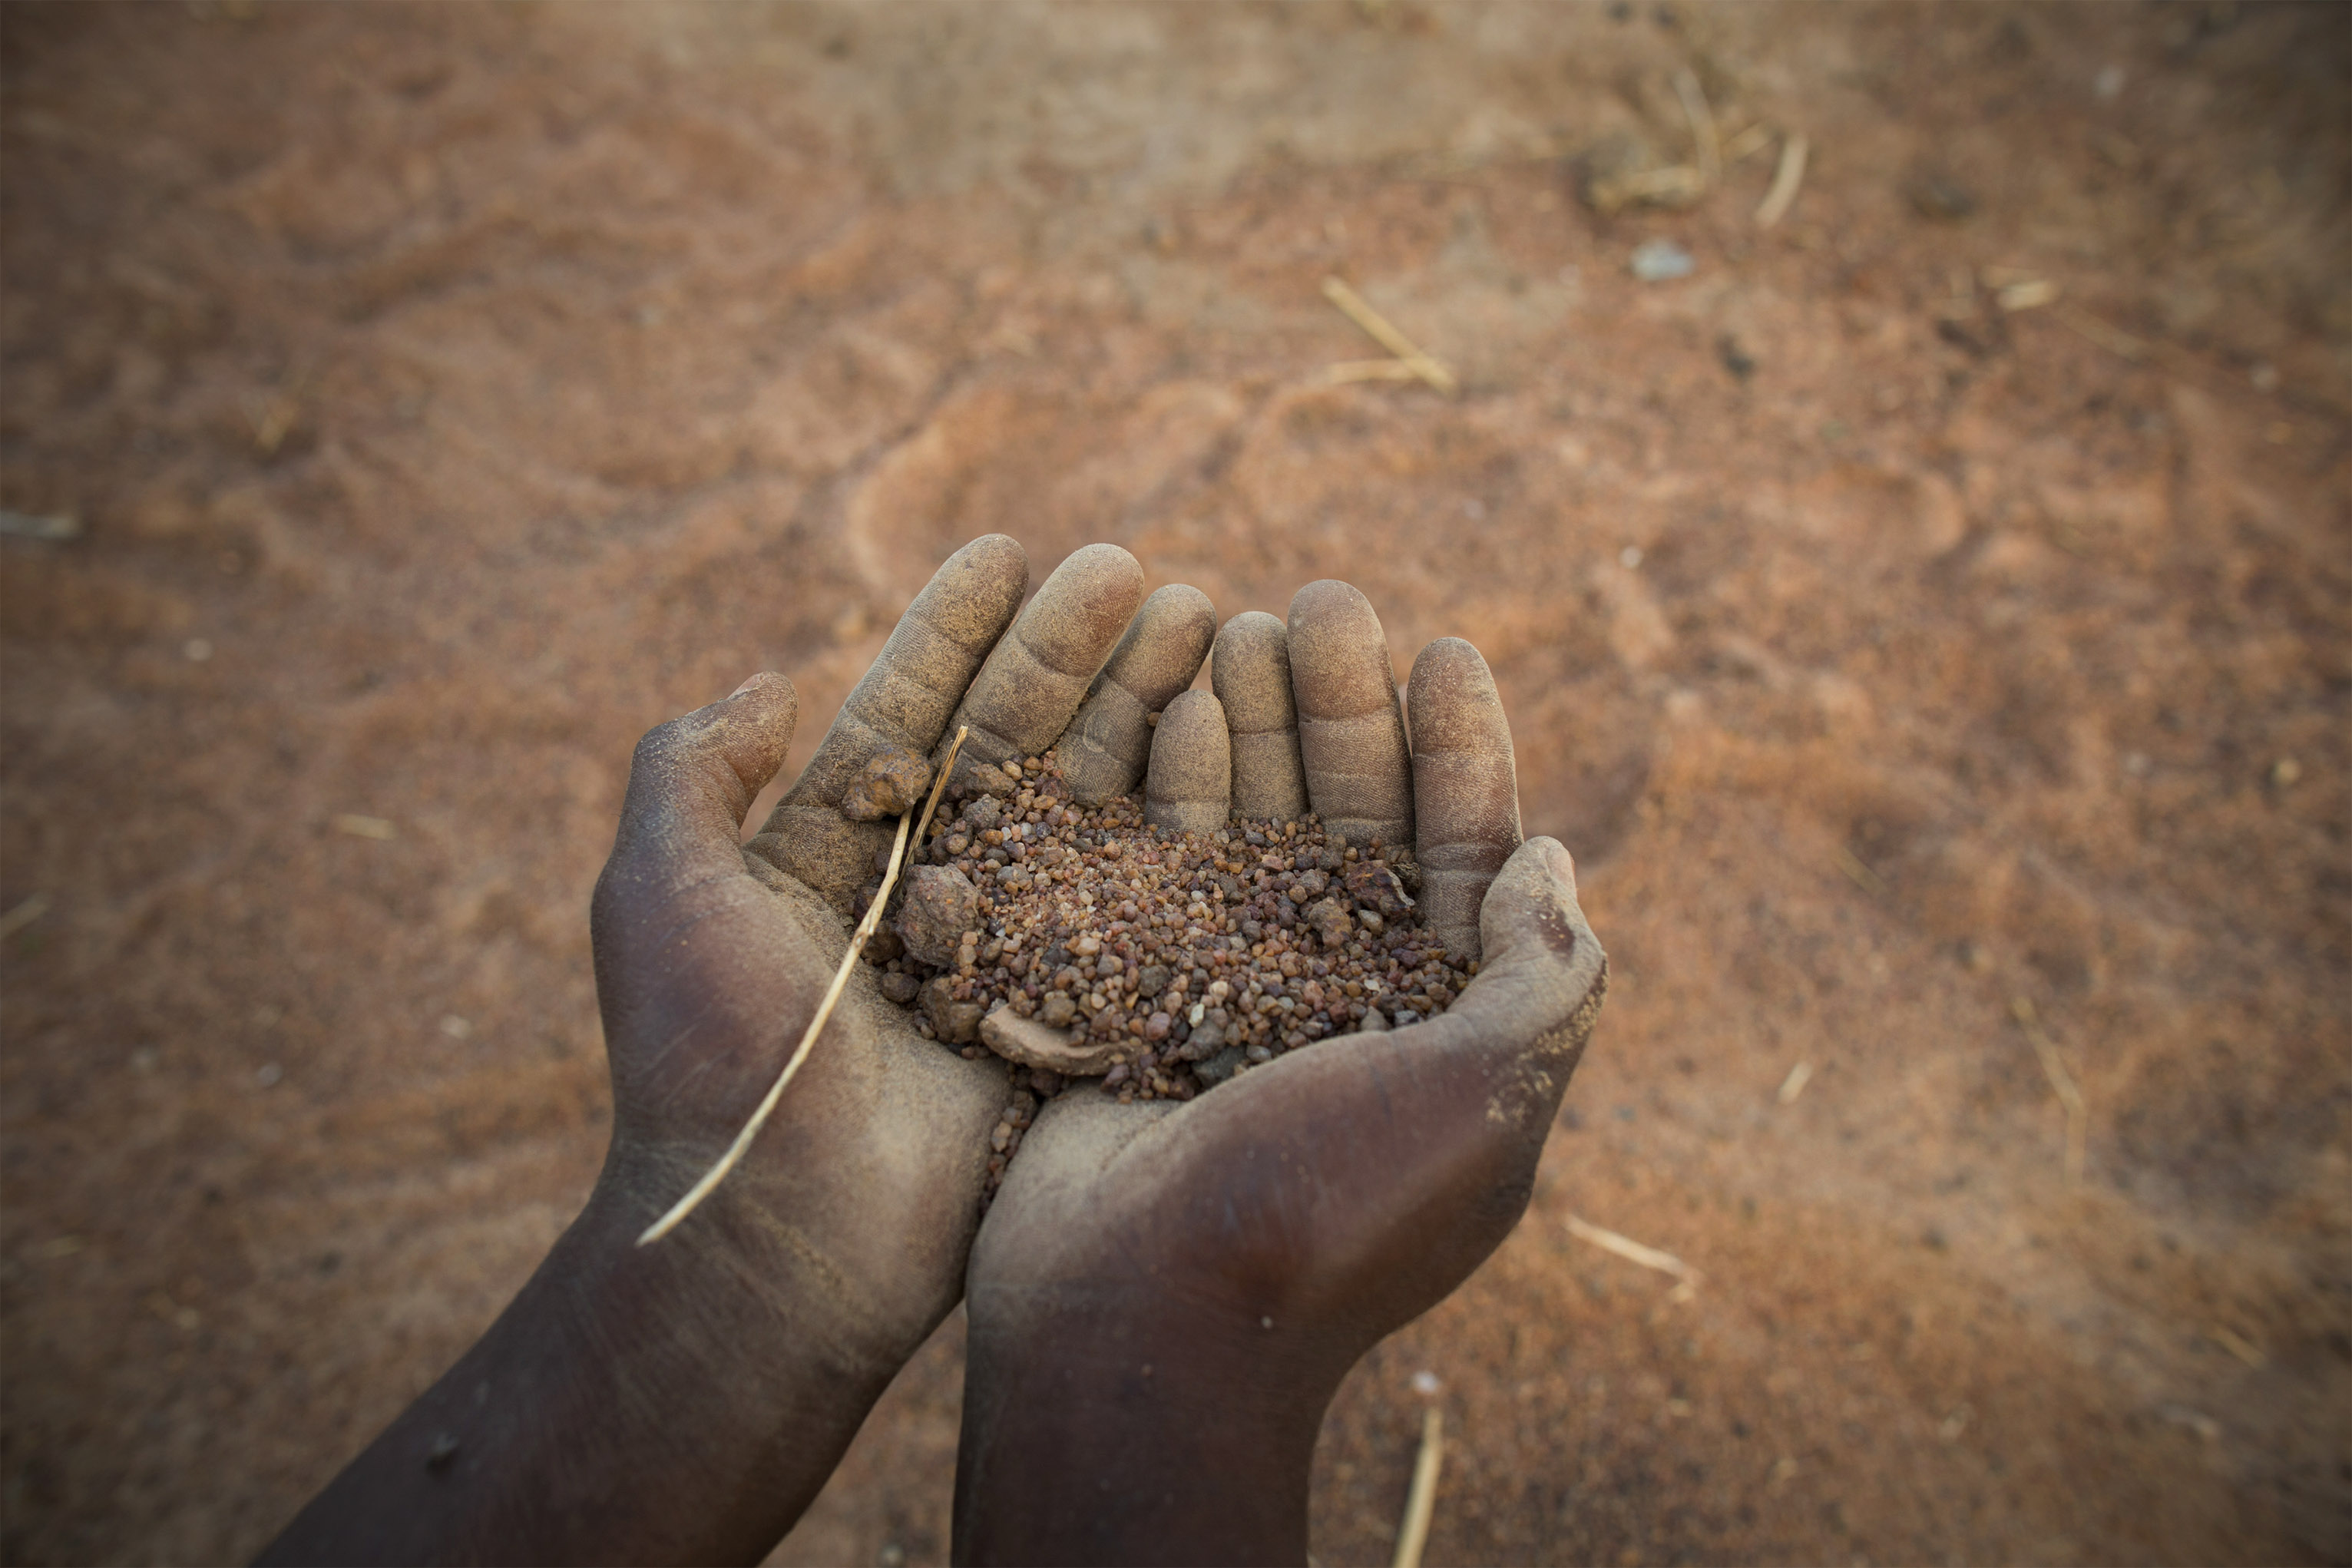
[{"x": 747, "y": 686}]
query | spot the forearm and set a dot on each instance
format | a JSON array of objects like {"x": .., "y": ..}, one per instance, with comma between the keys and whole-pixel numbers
[
  {"x": 1087, "y": 1439},
  {"x": 638, "y": 1404}
]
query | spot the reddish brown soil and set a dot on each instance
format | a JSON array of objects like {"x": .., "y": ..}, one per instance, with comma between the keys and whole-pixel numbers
[{"x": 481, "y": 386}]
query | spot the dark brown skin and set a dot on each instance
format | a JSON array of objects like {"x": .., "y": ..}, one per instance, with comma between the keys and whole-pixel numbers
[
  {"x": 1155, "y": 1294},
  {"x": 1164, "y": 1299},
  {"x": 683, "y": 1402}
]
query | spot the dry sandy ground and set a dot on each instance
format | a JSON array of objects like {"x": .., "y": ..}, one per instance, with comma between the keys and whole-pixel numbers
[{"x": 444, "y": 395}]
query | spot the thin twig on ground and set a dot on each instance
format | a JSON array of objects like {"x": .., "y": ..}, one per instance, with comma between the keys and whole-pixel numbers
[
  {"x": 2115, "y": 340},
  {"x": 1709, "y": 156},
  {"x": 1785, "y": 181},
  {"x": 1633, "y": 1251},
  {"x": 1746, "y": 142},
  {"x": 1420, "y": 1500},
  {"x": 2061, "y": 1083},
  {"x": 1384, "y": 332}
]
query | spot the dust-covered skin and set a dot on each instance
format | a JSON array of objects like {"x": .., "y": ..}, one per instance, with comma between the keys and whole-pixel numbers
[
  {"x": 902, "y": 704},
  {"x": 1106, "y": 747},
  {"x": 1036, "y": 676},
  {"x": 1461, "y": 756},
  {"x": 1191, "y": 785},
  {"x": 685, "y": 1401},
  {"x": 1249, "y": 669},
  {"x": 1351, "y": 732},
  {"x": 1307, "y": 1208}
]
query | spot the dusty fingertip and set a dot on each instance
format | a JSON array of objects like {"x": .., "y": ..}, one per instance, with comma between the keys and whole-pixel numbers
[
  {"x": 1327, "y": 595},
  {"x": 1079, "y": 613},
  {"x": 1339, "y": 661},
  {"x": 767, "y": 694},
  {"x": 998, "y": 555},
  {"x": 1249, "y": 669},
  {"x": 1190, "y": 781},
  {"x": 759, "y": 679},
  {"x": 1447, "y": 674},
  {"x": 1546, "y": 857},
  {"x": 1098, "y": 568}
]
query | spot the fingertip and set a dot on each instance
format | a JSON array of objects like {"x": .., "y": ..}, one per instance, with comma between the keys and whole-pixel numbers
[
  {"x": 771, "y": 694},
  {"x": 1190, "y": 785},
  {"x": 996, "y": 558},
  {"x": 1084, "y": 607},
  {"x": 1039, "y": 672},
  {"x": 1182, "y": 601},
  {"x": 752, "y": 730},
  {"x": 1106, "y": 745},
  {"x": 692, "y": 779},
  {"x": 1350, "y": 731},
  {"x": 1531, "y": 910},
  {"x": 1331, "y": 631},
  {"x": 1450, "y": 698},
  {"x": 1249, "y": 669}
]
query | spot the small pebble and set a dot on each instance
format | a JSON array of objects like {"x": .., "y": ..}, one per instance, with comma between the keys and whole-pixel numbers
[
  {"x": 940, "y": 904},
  {"x": 1661, "y": 262},
  {"x": 892, "y": 785}
]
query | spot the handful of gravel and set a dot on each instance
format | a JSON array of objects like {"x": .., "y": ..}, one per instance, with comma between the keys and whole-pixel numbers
[{"x": 1076, "y": 943}]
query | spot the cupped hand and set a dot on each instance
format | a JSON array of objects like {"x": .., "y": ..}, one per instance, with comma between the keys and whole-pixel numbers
[
  {"x": 863, "y": 1189},
  {"x": 684, "y": 1401},
  {"x": 1164, "y": 1298}
]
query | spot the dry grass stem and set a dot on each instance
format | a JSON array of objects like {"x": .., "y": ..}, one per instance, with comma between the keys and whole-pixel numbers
[
  {"x": 1384, "y": 332},
  {"x": 2029, "y": 295},
  {"x": 1677, "y": 186},
  {"x": 1785, "y": 181},
  {"x": 1746, "y": 142},
  {"x": 2115, "y": 340},
  {"x": 1860, "y": 875},
  {"x": 1633, "y": 1251},
  {"x": 23, "y": 915},
  {"x": 2061, "y": 1083},
  {"x": 1710, "y": 157},
  {"x": 1421, "y": 1500},
  {"x": 858, "y": 941}
]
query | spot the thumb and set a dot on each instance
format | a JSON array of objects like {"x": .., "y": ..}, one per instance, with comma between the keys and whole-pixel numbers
[
  {"x": 1540, "y": 982},
  {"x": 693, "y": 778}
]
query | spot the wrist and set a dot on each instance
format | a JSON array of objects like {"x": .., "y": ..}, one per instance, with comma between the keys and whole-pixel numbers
[
  {"x": 666, "y": 1403},
  {"x": 800, "y": 1266},
  {"x": 1096, "y": 1435}
]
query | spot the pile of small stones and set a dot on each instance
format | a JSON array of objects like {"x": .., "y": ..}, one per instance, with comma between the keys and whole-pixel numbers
[{"x": 1077, "y": 943}]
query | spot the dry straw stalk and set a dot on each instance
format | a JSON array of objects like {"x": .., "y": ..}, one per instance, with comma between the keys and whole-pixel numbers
[{"x": 857, "y": 940}]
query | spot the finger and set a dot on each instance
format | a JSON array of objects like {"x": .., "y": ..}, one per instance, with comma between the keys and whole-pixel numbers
[
  {"x": 1190, "y": 786},
  {"x": 692, "y": 780},
  {"x": 1465, "y": 792},
  {"x": 1351, "y": 732},
  {"x": 1250, "y": 670},
  {"x": 1104, "y": 751},
  {"x": 903, "y": 701},
  {"x": 1038, "y": 672},
  {"x": 1540, "y": 982}
]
